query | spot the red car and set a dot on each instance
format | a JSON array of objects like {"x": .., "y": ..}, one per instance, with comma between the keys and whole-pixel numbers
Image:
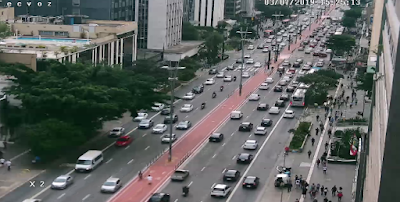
[
  {"x": 123, "y": 141},
  {"x": 316, "y": 53}
]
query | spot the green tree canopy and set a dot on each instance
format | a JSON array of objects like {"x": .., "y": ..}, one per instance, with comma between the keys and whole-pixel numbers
[
  {"x": 355, "y": 12},
  {"x": 189, "y": 32},
  {"x": 192, "y": 65},
  {"x": 341, "y": 43},
  {"x": 365, "y": 81},
  {"x": 211, "y": 47},
  {"x": 5, "y": 30},
  {"x": 149, "y": 67},
  {"x": 349, "y": 22},
  {"x": 243, "y": 27}
]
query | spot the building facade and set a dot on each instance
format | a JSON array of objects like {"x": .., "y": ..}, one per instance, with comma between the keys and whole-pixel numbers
[
  {"x": 188, "y": 10},
  {"x": 248, "y": 8},
  {"x": 233, "y": 8},
  {"x": 208, "y": 13}
]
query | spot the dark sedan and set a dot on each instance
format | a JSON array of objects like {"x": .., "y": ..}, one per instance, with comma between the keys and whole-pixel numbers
[
  {"x": 266, "y": 122},
  {"x": 290, "y": 89},
  {"x": 280, "y": 103},
  {"x": 244, "y": 158},
  {"x": 231, "y": 175},
  {"x": 212, "y": 71},
  {"x": 246, "y": 126},
  {"x": 262, "y": 107},
  {"x": 168, "y": 120},
  {"x": 284, "y": 97},
  {"x": 278, "y": 88},
  {"x": 198, "y": 89},
  {"x": 216, "y": 137},
  {"x": 251, "y": 182},
  {"x": 166, "y": 111}
]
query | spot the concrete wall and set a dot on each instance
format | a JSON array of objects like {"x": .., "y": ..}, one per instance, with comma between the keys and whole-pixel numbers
[
  {"x": 28, "y": 60},
  {"x": 6, "y": 14}
]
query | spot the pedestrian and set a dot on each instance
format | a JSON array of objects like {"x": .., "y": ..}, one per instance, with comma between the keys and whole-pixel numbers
[
  {"x": 2, "y": 161},
  {"x": 325, "y": 199},
  {"x": 329, "y": 133},
  {"x": 340, "y": 195},
  {"x": 8, "y": 164},
  {"x": 149, "y": 179},
  {"x": 140, "y": 175},
  {"x": 317, "y": 187},
  {"x": 309, "y": 153},
  {"x": 315, "y": 200},
  {"x": 326, "y": 191},
  {"x": 289, "y": 186},
  {"x": 297, "y": 183},
  {"x": 318, "y": 162},
  {"x": 316, "y": 131},
  {"x": 317, "y": 117},
  {"x": 334, "y": 189},
  {"x": 287, "y": 150},
  {"x": 326, "y": 146},
  {"x": 5, "y": 145},
  {"x": 312, "y": 141},
  {"x": 297, "y": 200},
  {"x": 322, "y": 189},
  {"x": 304, "y": 192},
  {"x": 324, "y": 169},
  {"x": 356, "y": 101}
]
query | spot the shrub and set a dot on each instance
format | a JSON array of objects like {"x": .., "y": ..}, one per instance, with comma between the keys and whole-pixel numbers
[
  {"x": 299, "y": 135},
  {"x": 353, "y": 120},
  {"x": 342, "y": 146}
]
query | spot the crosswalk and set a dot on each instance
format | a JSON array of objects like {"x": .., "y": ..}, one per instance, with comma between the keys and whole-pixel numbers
[{"x": 249, "y": 69}]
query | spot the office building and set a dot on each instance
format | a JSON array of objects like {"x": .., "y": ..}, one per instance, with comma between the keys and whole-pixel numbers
[
  {"x": 208, "y": 13},
  {"x": 233, "y": 8},
  {"x": 188, "y": 10},
  {"x": 248, "y": 8}
]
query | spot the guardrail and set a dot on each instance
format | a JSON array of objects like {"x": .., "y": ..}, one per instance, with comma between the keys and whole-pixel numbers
[{"x": 183, "y": 160}]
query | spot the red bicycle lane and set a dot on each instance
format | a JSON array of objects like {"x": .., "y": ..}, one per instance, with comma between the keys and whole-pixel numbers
[{"x": 161, "y": 170}]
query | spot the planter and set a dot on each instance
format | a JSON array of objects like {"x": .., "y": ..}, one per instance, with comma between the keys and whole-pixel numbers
[
  {"x": 299, "y": 150},
  {"x": 335, "y": 159}
]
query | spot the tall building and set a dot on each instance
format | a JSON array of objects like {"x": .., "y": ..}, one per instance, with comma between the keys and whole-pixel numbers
[
  {"x": 188, "y": 10},
  {"x": 208, "y": 13},
  {"x": 248, "y": 8},
  {"x": 232, "y": 8}
]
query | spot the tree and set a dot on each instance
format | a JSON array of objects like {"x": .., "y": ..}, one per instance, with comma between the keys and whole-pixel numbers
[
  {"x": 211, "y": 48},
  {"x": 349, "y": 22},
  {"x": 149, "y": 67},
  {"x": 189, "y": 32},
  {"x": 341, "y": 43},
  {"x": 243, "y": 27},
  {"x": 5, "y": 31},
  {"x": 353, "y": 13},
  {"x": 192, "y": 65},
  {"x": 10, "y": 116},
  {"x": 365, "y": 81}
]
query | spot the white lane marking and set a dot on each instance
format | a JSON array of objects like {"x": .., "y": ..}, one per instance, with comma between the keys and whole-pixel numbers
[
  {"x": 224, "y": 170},
  {"x": 232, "y": 134},
  {"x": 212, "y": 185},
  {"x": 203, "y": 169},
  {"x": 109, "y": 160},
  {"x": 214, "y": 156},
  {"x": 86, "y": 197},
  {"x": 224, "y": 144},
  {"x": 19, "y": 155},
  {"x": 87, "y": 176},
  {"x": 247, "y": 117},
  {"x": 147, "y": 148},
  {"x": 176, "y": 200},
  {"x": 190, "y": 183},
  {"x": 250, "y": 135},
  {"x": 127, "y": 147},
  {"x": 255, "y": 157},
  {"x": 233, "y": 158},
  {"x": 62, "y": 195},
  {"x": 186, "y": 116},
  {"x": 254, "y": 110},
  {"x": 129, "y": 162},
  {"x": 144, "y": 135}
]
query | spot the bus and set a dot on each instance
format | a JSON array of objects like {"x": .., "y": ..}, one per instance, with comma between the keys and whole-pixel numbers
[{"x": 298, "y": 98}]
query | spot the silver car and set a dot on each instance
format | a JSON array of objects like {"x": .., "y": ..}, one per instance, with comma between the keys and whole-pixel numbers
[
  {"x": 250, "y": 144},
  {"x": 111, "y": 185},
  {"x": 116, "y": 132},
  {"x": 160, "y": 129},
  {"x": 260, "y": 131},
  {"x": 168, "y": 138},
  {"x": 146, "y": 123},
  {"x": 62, "y": 182}
]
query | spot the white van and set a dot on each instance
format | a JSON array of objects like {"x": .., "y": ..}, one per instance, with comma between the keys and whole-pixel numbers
[
  {"x": 89, "y": 161},
  {"x": 236, "y": 115}
]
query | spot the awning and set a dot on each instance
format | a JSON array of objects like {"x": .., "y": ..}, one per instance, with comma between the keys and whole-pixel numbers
[
  {"x": 293, "y": 16},
  {"x": 268, "y": 31},
  {"x": 286, "y": 20}
]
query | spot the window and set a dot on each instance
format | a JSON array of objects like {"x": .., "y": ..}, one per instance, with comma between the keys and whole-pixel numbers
[{"x": 46, "y": 33}]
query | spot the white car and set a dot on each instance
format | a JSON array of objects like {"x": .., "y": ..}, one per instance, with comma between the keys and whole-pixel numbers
[
  {"x": 220, "y": 190},
  {"x": 257, "y": 65},
  {"x": 306, "y": 67},
  {"x": 249, "y": 61},
  {"x": 250, "y": 47},
  {"x": 230, "y": 67},
  {"x": 189, "y": 96},
  {"x": 186, "y": 108},
  {"x": 274, "y": 110},
  {"x": 279, "y": 40},
  {"x": 328, "y": 51},
  {"x": 116, "y": 132},
  {"x": 320, "y": 64},
  {"x": 247, "y": 56},
  {"x": 308, "y": 50},
  {"x": 250, "y": 144},
  {"x": 289, "y": 114},
  {"x": 260, "y": 131},
  {"x": 220, "y": 75},
  {"x": 159, "y": 129},
  {"x": 157, "y": 107},
  {"x": 264, "y": 86},
  {"x": 265, "y": 50},
  {"x": 288, "y": 77},
  {"x": 285, "y": 35},
  {"x": 268, "y": 41},
  {"x": 140, "y": 117},
  {"x": 269, "y": 80},
  {"x": 282, "y": 82},
  {"x": 167, "y": 138},
  {"x": 254, "y": 97},
  {"x": 209, "y": 82},
  {"x": 283, "y": 44},
  {"x": 228, "y": 78},
  {"x": 304, "y": 86},
  {"x": 245, "y": 75}
]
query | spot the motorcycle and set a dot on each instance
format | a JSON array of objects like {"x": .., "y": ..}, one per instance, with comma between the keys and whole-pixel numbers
[
  {"x": 203, "y": 105},
  {"x": 221, "y": 88},
  {"x": 234, "y": 78},
  {"x": 214, "y": 95},
  {"x": 185, "y": 191}
]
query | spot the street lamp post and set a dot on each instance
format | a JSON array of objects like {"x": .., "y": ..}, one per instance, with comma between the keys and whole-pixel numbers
[
  {"x": 289, "y": 41},
  {"x": 243, "y": 37},
  {"x": 173, "y": 77}
]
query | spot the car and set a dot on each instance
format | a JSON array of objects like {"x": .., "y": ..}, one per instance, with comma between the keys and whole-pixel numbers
[
  {"x": 301, "y": 48},
  {"x": 140, "y": 117},
  {"x": 168, "y": 120},
  {"x": 160, "y": 197},
  {"x": 168, "y": 138},
  {"x": 265, "y": 50},
  {"x": 254, "y": 97},
  {"x": 285, "y": 35},
  {"x": 289, "y": 114},
  {"x": 279, "y": 103},
  {"x": 260, "y": 130},
  {"x": 328, "y": 51},
  {"x": 245, "y": 75},
  {"x": 245, "y": 158},
  {"x": 251, "y": 182},
  {"x": 123, "y": 141},
  {"x": 212, "y": 71},
  {"x": 283, "y": 44},
  {"x": 279, "y": 40},
  {"x": 198, "y": 89},
  {"x": 216, "y": 137},
  {"x": 62, "y": 182},
  {"x": 283, "y": 82},
  {"x": 264, "y": 86},
  {"x": 261, "y": 46},
  {"x": 286, "y": 63},
  {"x": 220, "y": 190},
  {"x": 257, "y": 65},
  {"x": 301, "y": 61},
  {"x": 239, "y": 61},
  {"x": 230, "y": 67},
  {"x": 247, "y": 56},
  {"x": 266, "y": 122},
  {"x": 274, "y": 110},
  {"x": 157, "y": 107},
  {"x": 227, "y": 78},
  {"x": 278, "y": 88},
  {"x": 188, "y": 96},
  {"x": 210, "y": 81},
  {"x": 111, "y": 185},
  {"x": 246, "y": 126},
  {"x": 269, "y": 80},
  {"x": 231, "y": 175},
  {"x": 290, "y": 89},
  {"x": 117, "y": 131},
  {"x": 296, "y": 64},
  {"x": 316, "y": 53},
  {"x": 220, "y": 75},
  {"x": 159, "y": 128},
  {"x": 304, "y": 86},
  {"x": 262, "y": 107},
  {"x": 319, "y": 64},
  {"x": 32, "y": 200},
  {"x": 180, "y": 175},
  {"x": 183, "y": 125},
  {"x": 250, "y": 47},
  {"x": 186, "y": 108},
  {"x": 146, "y": 124},
  {"x": 284, "y": 97},
  {"x": 250, "y": 61},
  {"x": 306, "y": 67},
  {"x": 309, "y": 63},
  {"x": 166, "y": 111},
  {"x": 308, "y": 50}
]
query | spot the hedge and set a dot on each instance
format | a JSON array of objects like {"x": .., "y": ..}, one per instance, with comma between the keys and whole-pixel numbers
[
  {"x": 299, "y": 135},
  {"x": 342, "y": 146}
]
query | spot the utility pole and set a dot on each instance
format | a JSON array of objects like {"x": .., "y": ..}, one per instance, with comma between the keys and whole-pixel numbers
[
  {"x": 269, "y": 60},
  {"x": 243, "y": 37},
  {"x": 173, "y": 77},
  {"x": 290, "y": 41}
]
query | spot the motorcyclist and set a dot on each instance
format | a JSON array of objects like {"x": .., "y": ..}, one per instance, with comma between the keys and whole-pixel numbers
[
  {"x": 140, "y": 175},
  {"x": 185, "y": 190},
  {"x": 234, "y": 78},
  {"x": 214, "y": 94},
  {"x": 203, "y": 105},
  {"x": 221, "y": 88}
]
